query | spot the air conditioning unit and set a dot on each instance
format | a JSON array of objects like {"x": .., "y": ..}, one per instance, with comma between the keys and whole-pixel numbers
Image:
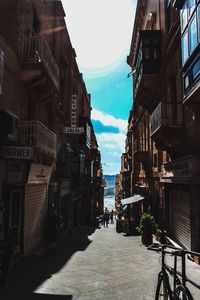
[{"x": 13, "y": 128}]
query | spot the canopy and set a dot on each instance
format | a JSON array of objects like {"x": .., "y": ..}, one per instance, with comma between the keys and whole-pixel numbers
[{"x": 132, "y": 199}]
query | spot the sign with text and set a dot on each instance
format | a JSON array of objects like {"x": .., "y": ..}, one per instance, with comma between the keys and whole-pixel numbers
[
  {"x": 16, "y": 152},
  {"x": 76, "y": 130},
  {"x": 73, "y": 110},
  {"x": 39, "y": 173}
]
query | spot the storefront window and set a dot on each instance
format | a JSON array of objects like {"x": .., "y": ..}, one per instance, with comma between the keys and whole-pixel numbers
[
  {"x": 185, "y": 50},
  {"x": 193, "y": 33}
]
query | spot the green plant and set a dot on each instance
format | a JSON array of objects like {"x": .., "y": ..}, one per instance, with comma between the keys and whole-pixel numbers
[
  {"x": 147, "y": 223},
  {"x": 160, "y": 234}
]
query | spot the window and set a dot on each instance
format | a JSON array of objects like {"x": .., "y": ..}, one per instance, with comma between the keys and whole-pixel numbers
[
  {"x": 186, "y": 82},
  {"x": 184, "y": 16},
  {"x": 198, "y": 18},
  {"x": 196, "y": 69},
  {"x": 191, "y": 6},
  {"x": 193, "y": 34},
  {"x": 185, "y": 50}
]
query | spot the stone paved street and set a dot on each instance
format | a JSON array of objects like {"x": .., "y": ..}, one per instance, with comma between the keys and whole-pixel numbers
[{"x": 90, "y": 265}]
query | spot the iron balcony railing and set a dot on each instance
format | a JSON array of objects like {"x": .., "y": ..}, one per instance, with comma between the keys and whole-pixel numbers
[
  {"x": 37, "y": 135},
  {"x": 35, "y": 50},
  {"x": 168, "y": 114}
]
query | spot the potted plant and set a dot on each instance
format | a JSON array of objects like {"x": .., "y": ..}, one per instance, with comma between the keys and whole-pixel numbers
[
  {"x": 160, "y": 234},
  {"x": 146, "y": 228}
]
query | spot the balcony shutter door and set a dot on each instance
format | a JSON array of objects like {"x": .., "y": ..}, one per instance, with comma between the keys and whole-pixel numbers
[
  {"x": 34, "y": 216},
  {"x": 180, "y": 212}
]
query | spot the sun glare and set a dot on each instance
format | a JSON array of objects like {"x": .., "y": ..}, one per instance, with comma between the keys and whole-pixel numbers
[{"x": 100, "y": 31}]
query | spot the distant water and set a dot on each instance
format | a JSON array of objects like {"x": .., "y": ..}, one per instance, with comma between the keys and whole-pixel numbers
[{"x": 109, "y": 202}]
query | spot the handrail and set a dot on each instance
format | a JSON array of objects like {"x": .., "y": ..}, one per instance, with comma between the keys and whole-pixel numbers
[{"x": 36, "y": 134}]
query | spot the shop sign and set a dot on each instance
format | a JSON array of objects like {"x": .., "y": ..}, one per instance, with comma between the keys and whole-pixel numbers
[
  {"x": 76, "y": 130},
  {"x": 39, "y": 173},
  {"x": 73, "y": 110},
  {"x": 16, "y": 152}
]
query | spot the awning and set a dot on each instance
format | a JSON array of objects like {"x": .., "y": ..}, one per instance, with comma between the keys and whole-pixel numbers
[{"x": 132, "y": 199}]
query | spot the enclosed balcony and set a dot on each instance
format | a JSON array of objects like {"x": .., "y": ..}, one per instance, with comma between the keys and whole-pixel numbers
[
  {"x": 167, "y": 124},
  {"x": 139, "y": 151},
  {"x": 147, "y": 65},
  {"x": 38, "y": 63},
  {"x": 38, "y": 136}
]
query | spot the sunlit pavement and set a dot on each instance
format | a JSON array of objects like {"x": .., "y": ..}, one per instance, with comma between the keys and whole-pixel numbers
[{"x": 92, "y": 264}]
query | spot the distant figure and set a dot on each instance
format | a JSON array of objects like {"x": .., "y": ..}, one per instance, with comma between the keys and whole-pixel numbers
[
  {"x": 106, "y": 217},
  {"x": 111, "y": 216}
]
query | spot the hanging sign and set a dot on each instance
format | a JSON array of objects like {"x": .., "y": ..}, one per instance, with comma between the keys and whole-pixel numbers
[{"x": 77, "y": 130}]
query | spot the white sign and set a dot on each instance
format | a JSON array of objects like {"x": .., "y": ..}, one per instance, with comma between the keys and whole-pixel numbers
[
  {"x": 77, "y": 130},
  {"x": 73, "y": 110},
  {"x": 16, "y": 152},
  {"x": 39, "y": 173}
]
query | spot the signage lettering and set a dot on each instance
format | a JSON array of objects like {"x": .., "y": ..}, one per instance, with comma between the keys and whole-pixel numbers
[
  {"x": 17, "y": 152},
  {"x": 77, "y": 130},
  {"x": 73, "y": 110}
]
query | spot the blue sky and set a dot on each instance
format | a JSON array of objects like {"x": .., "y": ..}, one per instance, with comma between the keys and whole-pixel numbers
[{"x": 101, "y": 32}]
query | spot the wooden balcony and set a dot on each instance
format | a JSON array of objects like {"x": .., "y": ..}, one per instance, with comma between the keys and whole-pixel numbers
[
  {"x": 140, "y": 154},
  {"x": 185, "y": 169},
  {"x": 38, "y": 64},
  {"x": 38, "y": 136},
  {"x": 147, "y": 65},
  {"x": 167, "y": 125}
]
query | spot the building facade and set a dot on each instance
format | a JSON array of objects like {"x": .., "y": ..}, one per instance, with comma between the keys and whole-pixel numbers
[
  {"x": 165, "y": 115},
  {"x": 49, "y": 158}
]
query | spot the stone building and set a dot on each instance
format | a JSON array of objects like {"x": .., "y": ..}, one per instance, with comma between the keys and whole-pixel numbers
[
  {"x": 165, "y": 115},
  {"x": 46, "y": 134}
]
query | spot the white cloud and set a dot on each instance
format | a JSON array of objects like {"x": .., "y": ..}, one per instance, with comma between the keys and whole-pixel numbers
[
  {"x": 109, "y": 120},
  {"x": 111, "y": 145}
]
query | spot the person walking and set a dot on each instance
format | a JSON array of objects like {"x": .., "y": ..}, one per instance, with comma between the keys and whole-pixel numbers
[
  {"x": 111, "y": 216},
  {"x": 106, "y": 217}
]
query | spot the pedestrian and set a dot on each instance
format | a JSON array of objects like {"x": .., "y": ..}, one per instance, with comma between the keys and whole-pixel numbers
[
  {"x": 106, "y": 217},
  {"x": 111, "y": 216}
]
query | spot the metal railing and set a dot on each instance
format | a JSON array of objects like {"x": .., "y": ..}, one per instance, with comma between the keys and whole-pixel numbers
[
  {"x": 35, "y": 50},
  {"x": 168, "y": 114},
  {"x": 37, "y": 135}
]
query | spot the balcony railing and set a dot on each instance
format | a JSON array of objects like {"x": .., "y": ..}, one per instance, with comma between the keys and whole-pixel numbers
[
  {"x": 35, "y": 134},
  {"x": 166, "y": 115},
  {"x": 1, "y": 70},
  {"x": 36, "y": 51}
]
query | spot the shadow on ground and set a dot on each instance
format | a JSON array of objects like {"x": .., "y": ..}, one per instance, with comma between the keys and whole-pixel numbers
[{"x": 26, "y": 276}]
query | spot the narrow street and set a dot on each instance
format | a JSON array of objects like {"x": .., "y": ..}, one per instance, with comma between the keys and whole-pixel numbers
[
  {"x": 99, "y": 264},
  {"x": 91, "y": 264}
]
